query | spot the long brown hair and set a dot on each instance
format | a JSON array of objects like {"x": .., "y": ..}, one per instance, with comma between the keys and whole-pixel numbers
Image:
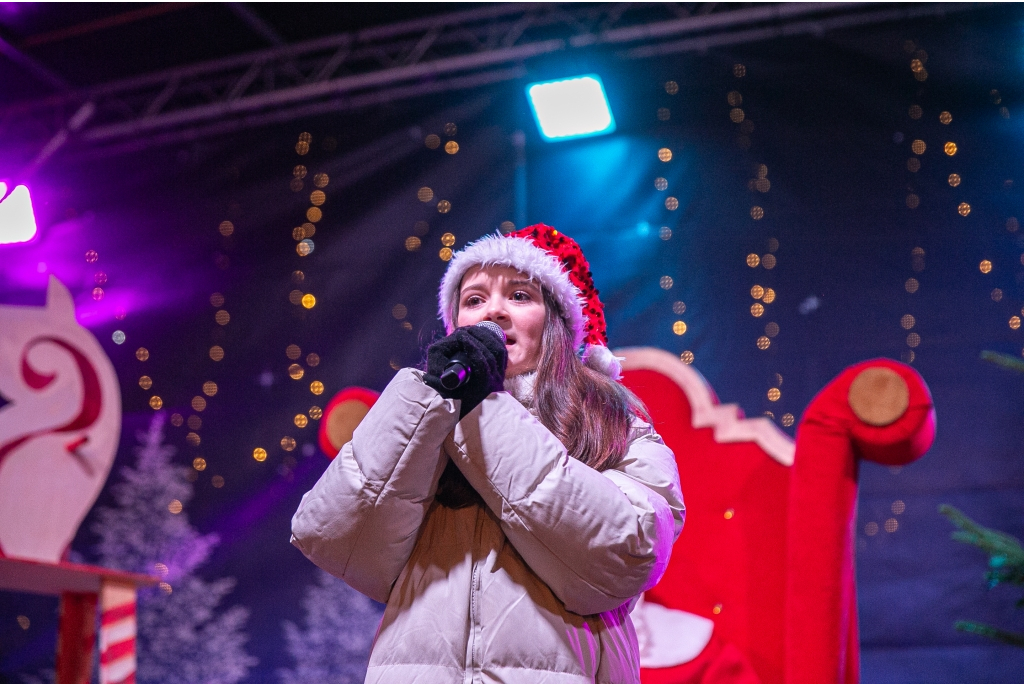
[{"x": 589, "y": 413}]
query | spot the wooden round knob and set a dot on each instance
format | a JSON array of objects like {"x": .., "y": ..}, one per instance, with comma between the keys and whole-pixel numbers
[
  {"x": 879, "y": 396},
  {"x": 343, "y": 419}
]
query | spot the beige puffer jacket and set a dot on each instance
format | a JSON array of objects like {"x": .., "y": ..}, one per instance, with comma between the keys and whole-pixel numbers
[{"x": 536, "y": 587}]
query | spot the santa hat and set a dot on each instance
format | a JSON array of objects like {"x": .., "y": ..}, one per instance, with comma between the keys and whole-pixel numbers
[{"x": 556, "y": 262}]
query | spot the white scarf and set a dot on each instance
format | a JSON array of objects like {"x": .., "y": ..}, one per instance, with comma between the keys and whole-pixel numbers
[{"x": 521, "y": 388}]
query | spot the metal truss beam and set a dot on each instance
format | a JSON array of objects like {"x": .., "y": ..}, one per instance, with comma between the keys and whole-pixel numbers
[{"x": 461, "y": 50}]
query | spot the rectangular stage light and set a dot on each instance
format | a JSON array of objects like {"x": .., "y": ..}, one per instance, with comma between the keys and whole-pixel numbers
[
  {"x": 571, "y": 107},
  {"x": 17, "y": 221}
]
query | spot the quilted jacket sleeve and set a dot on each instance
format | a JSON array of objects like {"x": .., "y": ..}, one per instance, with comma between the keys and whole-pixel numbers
[
  {"x": 361, "y": 519},
  {"x": 597, "y": 539}
]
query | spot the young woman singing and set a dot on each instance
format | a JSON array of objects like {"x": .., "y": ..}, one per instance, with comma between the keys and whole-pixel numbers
[{"x": 509, "y": 524}]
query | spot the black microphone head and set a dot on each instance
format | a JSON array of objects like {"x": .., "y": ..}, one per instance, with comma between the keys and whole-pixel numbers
[{"x": 494, "y": 328}]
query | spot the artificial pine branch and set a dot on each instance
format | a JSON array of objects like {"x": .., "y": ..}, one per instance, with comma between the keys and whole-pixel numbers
[
  {"x": 1015, "y": 639},
  {"x": 1005, "y": 561},
  {"x": 1004, "y": 360}
]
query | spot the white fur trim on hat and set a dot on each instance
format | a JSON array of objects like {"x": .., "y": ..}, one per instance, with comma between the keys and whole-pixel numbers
[{"x": 522, "y": 255}]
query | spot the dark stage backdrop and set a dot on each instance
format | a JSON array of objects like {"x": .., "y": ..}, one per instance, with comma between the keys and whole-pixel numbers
[{"x": 821, "y": 169}]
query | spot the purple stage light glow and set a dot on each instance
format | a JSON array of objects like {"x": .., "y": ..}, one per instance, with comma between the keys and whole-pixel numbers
[{"x": 17, "y": 222}]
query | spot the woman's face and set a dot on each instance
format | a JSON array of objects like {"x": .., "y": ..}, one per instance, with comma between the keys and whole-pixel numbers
[{"x": 510, "y": 299}]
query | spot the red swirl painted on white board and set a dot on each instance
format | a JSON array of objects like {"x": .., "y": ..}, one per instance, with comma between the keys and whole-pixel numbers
[
  {"x": 92, "y": 400},
  {"x": 59, "y": 429}
]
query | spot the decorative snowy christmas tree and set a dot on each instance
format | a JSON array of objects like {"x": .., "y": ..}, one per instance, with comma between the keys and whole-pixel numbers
[
  {"x": 183, "y": 634},
  {"x": 333, "y": 646}
]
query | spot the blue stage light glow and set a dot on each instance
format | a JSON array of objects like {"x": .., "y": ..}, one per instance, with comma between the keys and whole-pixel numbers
[{"x": 571, "y": 107}]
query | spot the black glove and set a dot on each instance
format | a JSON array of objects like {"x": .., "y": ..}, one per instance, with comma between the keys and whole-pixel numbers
[{"x": 487, "y": 360}]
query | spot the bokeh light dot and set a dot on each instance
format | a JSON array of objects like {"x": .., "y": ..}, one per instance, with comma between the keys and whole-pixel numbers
[
  {"x": 763, "y": 343},
  {"x": 145, "y": 382},
  {"x": 753, "y": 260},
  {"x": 757, "y": 309},
  {"x": 679, "y": 327},
  {"x": 301, "y": 421},
  {"x": 665, "y": 154},
  {"x": 774, "y": 394},
  {"x": 312, "y": 359},
  {"x": 259, "y": 454},
  {"x": 686, "y": 357},
  {"x": 985, "y": 266},
  {"x": 308, "y": 301},
  {"x": 296, "y": 371},
  {"x": 198, "y": 403},
  {"x": 666, "y": 282},
  {"x": 216, "y": 353},
  {"x": 949, "y": 149},
  {"x": 118, "y": 337},
  {"x": 316, "y": 387},
  {"x": 209, "y": 388},
  {"x": 156, "y": 402}
]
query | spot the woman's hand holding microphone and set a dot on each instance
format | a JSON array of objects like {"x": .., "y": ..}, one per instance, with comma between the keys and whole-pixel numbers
[{"x": 480, "y": 349}]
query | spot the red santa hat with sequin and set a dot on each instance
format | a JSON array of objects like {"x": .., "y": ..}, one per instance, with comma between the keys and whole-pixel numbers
[{"x": 556, "y": 262}]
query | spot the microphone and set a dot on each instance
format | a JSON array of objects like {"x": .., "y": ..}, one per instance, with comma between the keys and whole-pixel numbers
[{"x": 457, "y": 371}]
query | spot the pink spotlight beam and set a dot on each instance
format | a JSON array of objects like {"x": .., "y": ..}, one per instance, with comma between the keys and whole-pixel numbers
[{"x": 17, "y": 221}]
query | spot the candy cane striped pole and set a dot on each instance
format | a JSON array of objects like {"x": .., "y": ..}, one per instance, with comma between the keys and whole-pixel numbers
[{"x": 117, "y": 632}]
